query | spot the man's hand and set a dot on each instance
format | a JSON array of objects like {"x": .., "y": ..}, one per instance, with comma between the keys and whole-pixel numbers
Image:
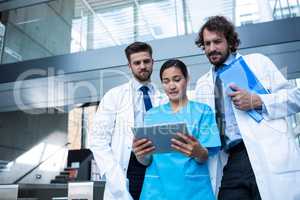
[
  {"x": 190, "y": 147},
  {"x": 141, "y": 148},
  {"x": 244, "y": 100}
]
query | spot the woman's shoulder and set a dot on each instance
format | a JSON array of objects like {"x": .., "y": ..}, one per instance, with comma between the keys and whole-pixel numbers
[{"x": 198, "y": 105}]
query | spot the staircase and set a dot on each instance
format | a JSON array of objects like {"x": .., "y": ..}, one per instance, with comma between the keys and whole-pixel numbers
[{"x": 69, "y": 174}]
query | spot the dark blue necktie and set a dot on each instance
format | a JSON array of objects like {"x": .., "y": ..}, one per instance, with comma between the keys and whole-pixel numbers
[{"x": 146, "y": 97}]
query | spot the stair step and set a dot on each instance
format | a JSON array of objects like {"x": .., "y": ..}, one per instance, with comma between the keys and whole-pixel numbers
[
  {"x": 63, "y": 178},
  {"x": 64, "y": 173},
  {"x": 59, "y": 181},
  {"x": 70, "y": 168},
  {"x": 27, "y": 198}
]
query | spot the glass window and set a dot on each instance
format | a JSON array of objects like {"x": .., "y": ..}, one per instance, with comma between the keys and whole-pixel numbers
[
  {"x": 38, "y": 31},
  {"x": 2, "y": 31},
  {"x": 159, "y": 19},
  {"x": 113, "y": 27},
  {"x": 198, "y": 11},
  {"x": 286, "y": 8},
  {"x": 79, "y": 34},
  {"x": 69, "y": 26}
]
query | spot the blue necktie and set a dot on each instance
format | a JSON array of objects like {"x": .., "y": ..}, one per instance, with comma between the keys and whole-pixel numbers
[{"x": 146, "y": 97}]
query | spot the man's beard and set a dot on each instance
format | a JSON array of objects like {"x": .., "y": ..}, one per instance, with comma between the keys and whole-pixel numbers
[
  {"x": 220, "y": 61},
  {"x": 142, "y": 78}
]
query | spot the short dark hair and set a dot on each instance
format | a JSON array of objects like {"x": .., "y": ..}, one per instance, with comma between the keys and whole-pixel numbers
[
  {"x": 220, "y": 24},
  {"x": 137, "y": 47},
  {"x": 174, "y": 63}
]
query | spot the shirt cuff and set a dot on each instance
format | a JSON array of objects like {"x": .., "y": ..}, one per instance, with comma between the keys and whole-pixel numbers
[{"x": 263, "y": 108}]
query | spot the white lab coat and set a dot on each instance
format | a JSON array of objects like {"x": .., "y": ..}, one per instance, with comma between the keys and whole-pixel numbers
[
  {"x": 272, "y": 150},
  {"x": 111, "y": 138}
]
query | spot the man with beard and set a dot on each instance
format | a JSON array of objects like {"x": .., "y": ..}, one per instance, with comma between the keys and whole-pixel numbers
[
  {"x": 122, "y": 108},
  {"x": 261, "y": 158}
]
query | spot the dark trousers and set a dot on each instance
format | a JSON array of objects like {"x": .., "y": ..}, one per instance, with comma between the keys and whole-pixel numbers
[
  {"x": 238, "y": 181},
  {"x": 135, "y": 174}
]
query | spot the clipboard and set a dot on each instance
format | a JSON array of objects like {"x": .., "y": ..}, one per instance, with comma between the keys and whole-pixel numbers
[
  {"x": 161, "y": 135},
  {"x": 239, "y": 73}
]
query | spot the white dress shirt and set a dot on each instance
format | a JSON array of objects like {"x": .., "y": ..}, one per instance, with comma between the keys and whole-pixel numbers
[{"x": 139, "y": 106}]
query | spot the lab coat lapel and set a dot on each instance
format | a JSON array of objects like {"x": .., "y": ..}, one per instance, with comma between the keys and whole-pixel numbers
[
  {"x": 130, "y": 102},
  {"x": 205, "y": 92}
]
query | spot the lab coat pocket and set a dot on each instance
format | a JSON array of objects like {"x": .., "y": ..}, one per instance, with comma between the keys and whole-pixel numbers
[
  {"x": 198, "y": 186},
  {"x": 278, "y": 126},
  {"x": 279, "y": 148}
]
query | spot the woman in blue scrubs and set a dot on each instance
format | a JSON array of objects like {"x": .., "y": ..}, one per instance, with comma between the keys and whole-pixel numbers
[{"x": 182, "y": 174}]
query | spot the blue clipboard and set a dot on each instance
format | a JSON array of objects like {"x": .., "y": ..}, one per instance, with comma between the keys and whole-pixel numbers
[{"x": 239, "y": 73}]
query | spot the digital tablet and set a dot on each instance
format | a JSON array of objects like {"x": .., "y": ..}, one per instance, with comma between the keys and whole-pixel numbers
[{"x": 161, "y": 135}]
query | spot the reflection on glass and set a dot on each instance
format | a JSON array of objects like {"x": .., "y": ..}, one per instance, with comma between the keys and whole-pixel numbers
[
  {"x": 286, "y": 8},
  {"x": 68, "y": 26},
  {"x": 198, "y": 11},
  {"x": 112, "y": 27},
  {"x": 33, "y": 156},
  {"x": 54, "y": 163},
  {"x": 158, "y": 20},
  {"x": 79, "y": 34},
  {"x": 38, "y": 31},
  {"x": 2, "y": 31}
]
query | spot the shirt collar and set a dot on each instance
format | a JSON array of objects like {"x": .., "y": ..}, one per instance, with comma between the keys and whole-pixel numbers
[
  {"x": 229, "y": 60},
  {"x": 137, "y": 85}
]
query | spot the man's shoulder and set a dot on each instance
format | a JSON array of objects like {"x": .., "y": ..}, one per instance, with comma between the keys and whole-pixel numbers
[
  {"x": 252, "y": 55},
  {"x": 118, "y": 90},
  {"x": 120, "y": 87},
  {"x": 255, "y": 57},
  {"x": 259, "y": 62}
]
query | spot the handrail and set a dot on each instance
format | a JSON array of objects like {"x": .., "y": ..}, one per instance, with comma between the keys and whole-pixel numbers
[{"x": 36, "y": 166}]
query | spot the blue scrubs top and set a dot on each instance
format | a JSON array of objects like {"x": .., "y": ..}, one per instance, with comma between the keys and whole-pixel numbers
[{"x": 175, "y": 176}]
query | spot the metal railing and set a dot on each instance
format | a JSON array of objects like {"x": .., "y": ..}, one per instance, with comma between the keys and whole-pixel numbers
[{"x": 285, "y": 9}]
